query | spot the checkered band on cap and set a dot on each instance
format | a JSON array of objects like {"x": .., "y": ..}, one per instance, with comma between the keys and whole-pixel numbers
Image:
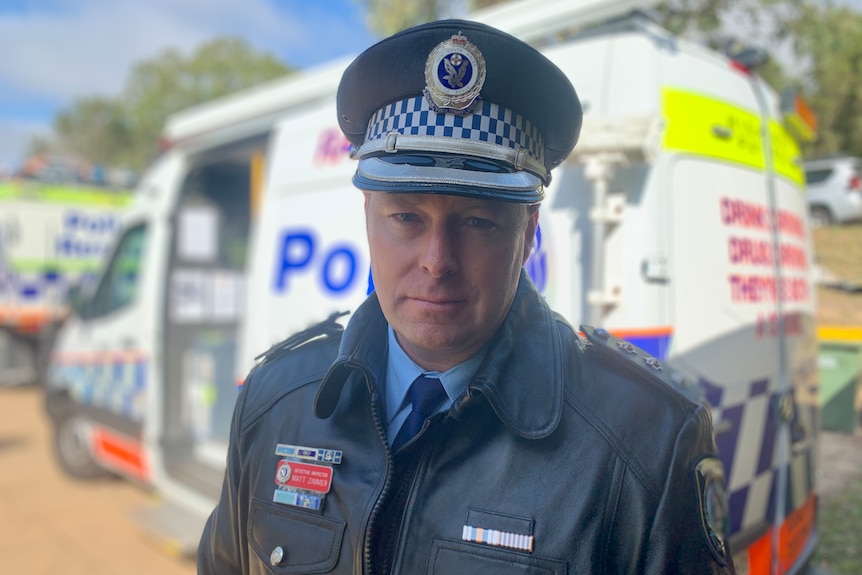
[{"x": 488, "y": 123}]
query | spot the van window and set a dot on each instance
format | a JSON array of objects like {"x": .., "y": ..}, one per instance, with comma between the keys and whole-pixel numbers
[
  {"x": 817, "y": 176},
  {"x": 119, "y": 284}
]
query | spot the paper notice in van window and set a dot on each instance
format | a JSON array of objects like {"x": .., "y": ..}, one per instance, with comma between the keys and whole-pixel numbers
[
  {"x": 226, "y": 294},
  {"x": 188, "y": 296},
  {"x": 197, "y": 234}
]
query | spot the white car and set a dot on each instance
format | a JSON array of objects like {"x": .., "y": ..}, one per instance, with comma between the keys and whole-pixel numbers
[{"x": 834, "y": 190}]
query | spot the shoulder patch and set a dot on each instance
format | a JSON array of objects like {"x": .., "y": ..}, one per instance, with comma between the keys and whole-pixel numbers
[
  {"x": 327, "y": 328},
  {"x": 713, "y": 506},
  {"x": 619, "y": 350}
]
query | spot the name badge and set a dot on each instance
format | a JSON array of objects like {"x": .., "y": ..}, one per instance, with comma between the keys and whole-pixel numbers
[{"x": 303, "y": 475}]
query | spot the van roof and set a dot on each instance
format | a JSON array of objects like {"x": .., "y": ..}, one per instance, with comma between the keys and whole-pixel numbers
[{"x": 255, "y": 108}]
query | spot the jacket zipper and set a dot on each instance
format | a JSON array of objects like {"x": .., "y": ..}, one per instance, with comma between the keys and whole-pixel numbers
[{"x": 366, "y": 563}]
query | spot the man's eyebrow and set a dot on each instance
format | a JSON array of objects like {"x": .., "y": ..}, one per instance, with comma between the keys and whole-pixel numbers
[{"x": 398, "y": 200}]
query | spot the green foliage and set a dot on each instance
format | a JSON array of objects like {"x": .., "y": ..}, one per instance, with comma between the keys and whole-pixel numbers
[
  {"x": 692, "y": 16},
  {"x": 169, "y": 83},
  {"x": 830, "y": 39},
  {"x": 839, "y": 549},
  {"x": 389, "y": 16},
  {"x": 124, "y": 131},
  {"x": 95, "y": 128},
  {"x": 827, "y": 39},
  {"x": 826, "y": 66}
]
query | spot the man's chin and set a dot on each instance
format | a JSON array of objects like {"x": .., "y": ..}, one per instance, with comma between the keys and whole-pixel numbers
[{"x": 436, "y": 341}]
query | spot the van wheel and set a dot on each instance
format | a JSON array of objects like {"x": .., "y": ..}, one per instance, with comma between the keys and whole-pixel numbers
[
  {"x": 72, "y": 447},
  {"x": 820, "y": 217}
]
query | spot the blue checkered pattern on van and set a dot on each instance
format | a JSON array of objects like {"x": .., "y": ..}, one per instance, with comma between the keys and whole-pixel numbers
[
  {"x": 745, "y": 419},
  {"x": 115, "y": 382},
  {"x": 31, "y": 288}
]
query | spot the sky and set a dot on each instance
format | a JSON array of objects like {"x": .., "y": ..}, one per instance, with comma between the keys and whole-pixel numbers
[{"x": 56, "y": 51}]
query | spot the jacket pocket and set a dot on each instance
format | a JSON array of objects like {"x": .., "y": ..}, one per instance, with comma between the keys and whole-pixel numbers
[
  {"x": 456, "y": 557},
  {"x": 284, "y": 540}
]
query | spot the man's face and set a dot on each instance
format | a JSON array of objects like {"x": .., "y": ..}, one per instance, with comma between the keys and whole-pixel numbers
[{"x": 445, "y": 269}]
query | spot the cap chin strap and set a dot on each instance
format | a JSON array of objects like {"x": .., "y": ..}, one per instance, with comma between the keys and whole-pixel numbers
[{"x": 395, "y": 142}]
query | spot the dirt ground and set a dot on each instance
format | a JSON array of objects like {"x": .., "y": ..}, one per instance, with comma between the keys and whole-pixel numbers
[
  {"x": 50, "y": 524},
  {"x": 838, "y": 253}
]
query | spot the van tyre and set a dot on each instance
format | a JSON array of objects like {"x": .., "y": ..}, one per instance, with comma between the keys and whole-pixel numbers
[{"x": 73, "y": 447}]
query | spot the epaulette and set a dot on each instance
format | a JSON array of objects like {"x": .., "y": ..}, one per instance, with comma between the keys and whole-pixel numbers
[
  {"x": 327, "y": 328},
  {"x": 617, "y": 349}
]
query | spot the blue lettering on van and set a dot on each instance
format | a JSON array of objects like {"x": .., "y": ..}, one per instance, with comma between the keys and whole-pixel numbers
[
  {"x": 370, "y": 282},
  {"x": 85, "y": 235},
  {"x": 300, "y": 252},
  {"x": 69, "y": 246},
  {"x": 296, "y": 251},
  {"x": 76, "y": 221},
  {"x": 338, "y": 266},
  {"x": 537, "y": 264},
  {"x": 339, "y": 269}
]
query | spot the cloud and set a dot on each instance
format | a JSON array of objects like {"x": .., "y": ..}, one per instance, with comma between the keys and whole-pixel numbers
[
  {"x": 65, "y": 51},
  {"x": 88, "y": 50}
]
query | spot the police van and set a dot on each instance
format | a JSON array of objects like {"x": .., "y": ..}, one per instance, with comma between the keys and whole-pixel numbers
[
  {"x": 678, "y": 223},
  {"x": 54, "y": 234}
]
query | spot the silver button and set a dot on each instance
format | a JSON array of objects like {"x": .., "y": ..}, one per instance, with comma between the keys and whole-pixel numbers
[
  {"x": 626, "y": 347},
  {"x": 276, "y": 557},
  {"x": 653, "y": 363}
]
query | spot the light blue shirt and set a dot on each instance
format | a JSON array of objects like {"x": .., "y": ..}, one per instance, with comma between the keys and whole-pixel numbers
[{"x": 401, "y": 371}]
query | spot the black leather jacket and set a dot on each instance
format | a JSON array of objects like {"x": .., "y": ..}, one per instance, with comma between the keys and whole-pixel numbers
[{"x": 572, "y": 456}]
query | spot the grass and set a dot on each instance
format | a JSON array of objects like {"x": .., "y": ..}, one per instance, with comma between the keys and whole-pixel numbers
[
  {"x": 840, "y": 548},
  {"x": 838, "y": 250}
]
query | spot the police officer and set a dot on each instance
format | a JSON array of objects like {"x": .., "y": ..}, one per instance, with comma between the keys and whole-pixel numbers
[{"x": 457, "y": 424}]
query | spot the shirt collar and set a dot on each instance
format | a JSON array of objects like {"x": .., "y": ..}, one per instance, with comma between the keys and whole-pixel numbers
[
  {"x": 522, "y": 376},
  {"x": 401, "y": 371}
]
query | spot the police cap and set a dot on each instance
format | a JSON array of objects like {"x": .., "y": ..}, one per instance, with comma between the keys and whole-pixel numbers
[{"x": 457, "y": 107}]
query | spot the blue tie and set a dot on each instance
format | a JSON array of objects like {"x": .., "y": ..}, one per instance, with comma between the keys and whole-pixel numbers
[{"x": 426, "y": 394}]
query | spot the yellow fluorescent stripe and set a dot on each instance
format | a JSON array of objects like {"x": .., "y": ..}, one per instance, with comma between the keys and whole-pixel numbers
[
  {"x": 708, "y": 127},
  {"x": 785, "y": 153},
  {"x": 60, "y": 265},
  {"x": 66, "y": 194}
]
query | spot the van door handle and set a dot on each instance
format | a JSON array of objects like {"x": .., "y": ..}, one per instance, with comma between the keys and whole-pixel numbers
[{"x": 722, "y": 132}]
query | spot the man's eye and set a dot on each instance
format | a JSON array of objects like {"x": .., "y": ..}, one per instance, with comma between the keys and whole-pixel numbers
[
  {"x": 405, "y": 217},
  {"x": 481, "y": 223}
]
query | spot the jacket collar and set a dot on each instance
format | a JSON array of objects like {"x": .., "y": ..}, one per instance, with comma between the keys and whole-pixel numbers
[{"x": 521, "y": 376}]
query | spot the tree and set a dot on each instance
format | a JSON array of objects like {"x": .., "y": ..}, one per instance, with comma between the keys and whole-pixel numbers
[
  {"x": 826, "y": 66},
  {"x": 389, "y": 16},
  {"x": 124, "y": 131},
  {"x": 827, "y": 40},
  {"x": 830, "y": 38},
  {"x": 95, "y": 129},
  {"x": 159, "y": 87}
]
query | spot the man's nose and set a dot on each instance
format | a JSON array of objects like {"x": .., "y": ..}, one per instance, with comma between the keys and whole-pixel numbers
[{"x": 440, "y": 251}]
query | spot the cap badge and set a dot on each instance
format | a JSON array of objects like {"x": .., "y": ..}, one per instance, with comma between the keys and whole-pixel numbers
[{"x": 454, "y": 76}]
